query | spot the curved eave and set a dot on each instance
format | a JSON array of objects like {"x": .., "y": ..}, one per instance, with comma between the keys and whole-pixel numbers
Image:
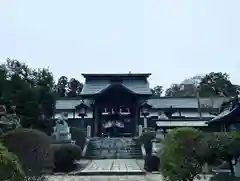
[
  {"x": 227, "y": 116},
  {"x": 110, "y": 87}
]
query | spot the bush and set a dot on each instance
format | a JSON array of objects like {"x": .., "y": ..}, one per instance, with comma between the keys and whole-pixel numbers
[
  {"x": 1, "y": 131},
  {"x": 145, "y": 137},
  {"x": 179, "y": 160},
  {"x": 78, "y": 135},
  {"x": 65, "y": 156},
  {"x": 45, "y": 126},
  {"x": 10, "y": 168},
  {"x": 224, "y": 177},
  {"x": 226, "y": 147},
  {"x": 33, "y": 148}
]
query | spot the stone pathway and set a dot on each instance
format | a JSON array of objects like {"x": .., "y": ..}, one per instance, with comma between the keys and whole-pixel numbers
[
  {"x": 112, "y": 170},
  {"x": 112, "y": 166},
  {"x": 101, "y": 178},
  {"x": 149, "y": 177}
]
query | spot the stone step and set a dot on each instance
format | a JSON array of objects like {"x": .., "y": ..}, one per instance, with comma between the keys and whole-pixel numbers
[{"x": 113, "y": 148}]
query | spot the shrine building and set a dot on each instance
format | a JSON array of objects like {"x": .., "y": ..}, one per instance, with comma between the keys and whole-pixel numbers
[{"x": 125, "y": 101}]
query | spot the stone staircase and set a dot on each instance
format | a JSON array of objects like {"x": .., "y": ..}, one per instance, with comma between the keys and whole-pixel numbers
[{"x": 113, "y": 148}]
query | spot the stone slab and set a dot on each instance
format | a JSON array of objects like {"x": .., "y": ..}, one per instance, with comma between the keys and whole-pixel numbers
[
  {"x": 149, "y": 177},
  {"x": 113, "y": 166}
]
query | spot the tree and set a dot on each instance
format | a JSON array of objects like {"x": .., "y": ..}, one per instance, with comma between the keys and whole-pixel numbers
[
  {"x": 226, "y": 147},
  {"x": 185, "y": 88},
  {"x": 186, "y": 150},
  {"x": 62, "y": 86},
  {"x": 212, "y": 84},
  {"x": 30, "y": 90},
  {"x": 217, "y": 83},
  {"x": 157, "y": 91},
  {"x": 74, "y": 88},
  {"x": 174, "y": 91},
  {"x": 179, "y": 160}
]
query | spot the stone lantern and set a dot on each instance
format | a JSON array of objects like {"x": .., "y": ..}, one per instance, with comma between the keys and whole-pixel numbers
[{"x": 81, "y": 110}]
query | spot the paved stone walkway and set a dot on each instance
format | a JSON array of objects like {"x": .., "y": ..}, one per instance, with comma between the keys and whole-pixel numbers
[
  {"x": 106, "y": 178},
  {"x": 113, "y": 165},
  {"x": 149, "y": 177}
]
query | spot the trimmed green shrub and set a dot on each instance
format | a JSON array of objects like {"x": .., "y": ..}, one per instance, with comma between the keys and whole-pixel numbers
[
  {"x": 33, "y": 148},
  {"x": 224, "y": 177},
  {"x": 179, "y": 160},
  {"x": 1, "y": 131},
  {"x": 10, "y": 168},
  {"x": 226, "y": 147},
  {"x": 65, "y": 156},
  {"x": 79, "y": 136},
  {"x": 145, "y": 137}
]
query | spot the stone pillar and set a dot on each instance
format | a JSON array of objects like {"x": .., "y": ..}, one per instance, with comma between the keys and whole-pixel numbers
[
  {"x": 145, "y": 122},
  {"x": 89, "y": 131},
  {"x": 140, "y": 130}
]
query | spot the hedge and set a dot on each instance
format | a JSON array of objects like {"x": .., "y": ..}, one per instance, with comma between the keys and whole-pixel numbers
[
  {"x": 145, "y": 137},
  {"x": 33, "y": 148},
  {"x": 78, "y": 135},
  {"x": 179, "y": 160},
  {"x": 186, "y": 150},
  {"x": 65, "y": 156}
]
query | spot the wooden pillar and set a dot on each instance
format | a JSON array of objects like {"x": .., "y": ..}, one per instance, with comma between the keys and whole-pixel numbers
[
  {"x": 96, "y": 117},
  {"x": 137, "y": 117}
]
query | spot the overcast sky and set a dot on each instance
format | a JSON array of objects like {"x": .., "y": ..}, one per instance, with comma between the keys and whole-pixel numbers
[{"x": 172, "y": 39}]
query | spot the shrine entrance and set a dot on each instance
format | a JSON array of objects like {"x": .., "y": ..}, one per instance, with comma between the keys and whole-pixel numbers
[{"x": 116, "y": 112}]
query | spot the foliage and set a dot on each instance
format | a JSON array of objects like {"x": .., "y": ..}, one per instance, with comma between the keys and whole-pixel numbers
[
  {"x": 179, "y": 161},
  {"x": 145, "y": 137},
  {"x": 217, "y": 83},
  {"x": 10, "y": 168},
  {"x": 65, "y": 155},
  {"x": 33, "y": 149},
  {"x": 75, "y": 88},
  {"x": 186, "y": 150},
  {"x": 9, "y": 122},
  {"x": 212, "y": 84},
  {"x": 62, "y": 86},
  {"x": 30, "y": 90},
  {"x": 157, "y": 91},
  {"x": 79, "y": 136},
  {"x": 224, "y": 177},
  {"x": 71, "y": 88},
  {"x": 226, "y": 147}
]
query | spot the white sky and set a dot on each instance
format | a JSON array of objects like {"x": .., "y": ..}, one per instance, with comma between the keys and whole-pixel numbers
[{"x": 172, "y": 39}]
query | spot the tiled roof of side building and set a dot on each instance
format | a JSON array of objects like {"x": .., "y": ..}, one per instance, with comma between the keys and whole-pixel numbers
[
  {"x": 161, "y": 102},
  {"x": 185, "y": 102},
  {"x": 70, "y": 103}
]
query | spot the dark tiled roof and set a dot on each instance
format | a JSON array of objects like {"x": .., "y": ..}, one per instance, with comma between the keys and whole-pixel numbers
[
  {"x": 70, "y": 103},
  {"x": 117, "y": 75},
  {"x": 162, "y": 102},
  {"x": 137, "y": 86},
  {"x": 166, "y": 102},
  {"x": 94, "y": 87},
  {"x": 227, "y": 114}
]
